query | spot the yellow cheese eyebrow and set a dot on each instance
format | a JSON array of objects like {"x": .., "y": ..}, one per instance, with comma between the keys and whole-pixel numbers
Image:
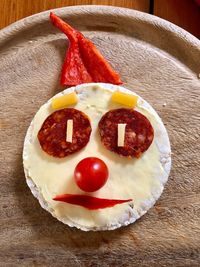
[
  {"x": 124, "y": 99},
  {"x": 65, "y": 100}
]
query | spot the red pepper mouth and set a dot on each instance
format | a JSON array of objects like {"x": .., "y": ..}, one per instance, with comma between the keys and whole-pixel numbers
[{"x": 89, "y": 202}]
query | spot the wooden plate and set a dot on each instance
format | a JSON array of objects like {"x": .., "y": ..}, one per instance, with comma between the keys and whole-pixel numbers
[{"x": 156, "y": 59}]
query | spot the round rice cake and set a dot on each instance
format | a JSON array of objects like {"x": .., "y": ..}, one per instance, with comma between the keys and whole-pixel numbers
[{"x": 141, "y": 179}]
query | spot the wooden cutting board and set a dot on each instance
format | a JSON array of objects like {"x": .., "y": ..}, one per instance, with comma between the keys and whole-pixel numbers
[{"x": 157, "y": 60}]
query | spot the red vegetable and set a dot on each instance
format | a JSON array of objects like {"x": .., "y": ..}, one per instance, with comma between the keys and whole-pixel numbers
[
  {"x": 64, "y": 27},
  {"x": 89, "y": 202},
  {"x": 92, "y": 66},
  {"x": 91, "y": 174},
  {"x": 73, "y": 70},
  {"x": 97, "y": 66}
]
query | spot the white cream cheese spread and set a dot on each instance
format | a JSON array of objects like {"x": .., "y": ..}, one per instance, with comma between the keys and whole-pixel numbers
[{"x": 140, "y": 179}]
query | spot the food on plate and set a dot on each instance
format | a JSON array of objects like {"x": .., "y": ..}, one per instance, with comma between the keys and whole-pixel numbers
[
  {"x": 91, "y": 174},
  {"x": 96, "y": 164},
  {"x": 89, "y": 202},
  {"x": 52, "y": 135},
  {"x": 64, "y": 101},
  {"x": 121, "y": 131},
  {"x": 138, "y": 134},
  {"x": 124, "y": 99},
  {"x": 83, "y": 63}
]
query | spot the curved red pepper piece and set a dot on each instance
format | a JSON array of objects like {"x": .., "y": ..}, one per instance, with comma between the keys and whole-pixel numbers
[
  {"x": 89, "y": 202},
  {"x": 64, "y": 27},
  {"x": 73, "y": 69},
  {"x": 88, "y": 58},
  {"x": 97, "y": 66}
]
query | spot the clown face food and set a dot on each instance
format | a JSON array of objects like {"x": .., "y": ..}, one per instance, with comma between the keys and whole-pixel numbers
[{"x": 97, "y": 156}]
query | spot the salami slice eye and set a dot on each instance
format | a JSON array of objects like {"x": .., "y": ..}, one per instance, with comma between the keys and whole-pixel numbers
[
  {"x": 52, "y": 135},
  {"x": 139, "y": 132}
]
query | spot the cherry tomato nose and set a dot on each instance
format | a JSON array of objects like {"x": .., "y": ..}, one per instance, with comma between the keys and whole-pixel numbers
[{"x": 91, "y": 174}]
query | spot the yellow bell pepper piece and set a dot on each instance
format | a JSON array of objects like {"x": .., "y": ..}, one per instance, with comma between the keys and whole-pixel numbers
[
  {"x": 124, "y": 99},
  {"x": 63, "y": 101}
]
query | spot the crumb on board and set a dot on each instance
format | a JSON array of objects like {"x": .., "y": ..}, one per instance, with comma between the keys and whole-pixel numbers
[{"x": 164, "y": 104}]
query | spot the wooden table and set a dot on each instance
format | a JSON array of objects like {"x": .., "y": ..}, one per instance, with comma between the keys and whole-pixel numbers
[
  {"x": 169, "y": 234},
  {"x": 185, "y": 13}
]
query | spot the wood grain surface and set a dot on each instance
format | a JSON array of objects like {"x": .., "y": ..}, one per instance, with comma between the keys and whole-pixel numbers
[
  {"x": 184, "y": 13},
  {"x": 162, "y": 66},
  {"x": 14, "y": 10}
]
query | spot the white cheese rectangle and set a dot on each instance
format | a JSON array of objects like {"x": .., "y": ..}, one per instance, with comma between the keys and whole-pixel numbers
[
  {"x": 121, "y": 134},
  {"x": 69, "y": 132}
]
